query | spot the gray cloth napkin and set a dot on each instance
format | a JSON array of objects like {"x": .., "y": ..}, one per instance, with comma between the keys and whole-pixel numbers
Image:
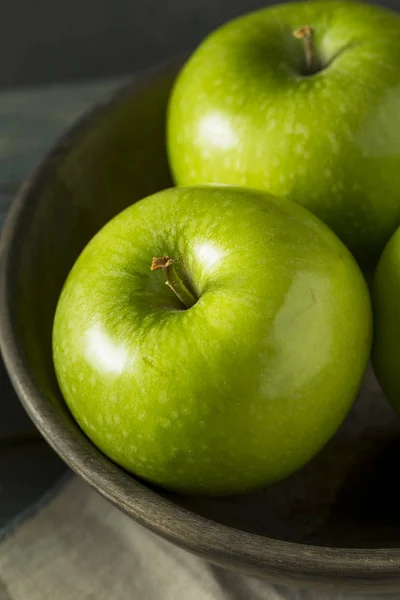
[{"x": 82, "y": 548}]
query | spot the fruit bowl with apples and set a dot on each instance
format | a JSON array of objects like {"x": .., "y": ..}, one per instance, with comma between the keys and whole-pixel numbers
[{"x": 221, "y": 410}]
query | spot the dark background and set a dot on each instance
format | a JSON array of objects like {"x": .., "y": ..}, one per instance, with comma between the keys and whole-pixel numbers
[{"x": 63, "y": 40}]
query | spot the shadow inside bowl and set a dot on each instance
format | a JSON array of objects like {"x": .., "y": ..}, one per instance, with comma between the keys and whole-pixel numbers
[{"x": 346, "y": 497}]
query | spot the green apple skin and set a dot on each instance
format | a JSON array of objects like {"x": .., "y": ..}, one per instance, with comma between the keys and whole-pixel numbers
[
  {"x": 245, "y": 112},
  {"x": 386, "y": 302},
  {"x": 244, "y": 387}
]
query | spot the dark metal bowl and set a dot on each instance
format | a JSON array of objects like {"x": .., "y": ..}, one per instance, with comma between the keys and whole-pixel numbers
[{"x": 336, "y": 522}]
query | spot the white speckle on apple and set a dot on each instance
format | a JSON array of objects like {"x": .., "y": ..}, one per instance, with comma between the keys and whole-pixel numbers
[
  {"x": 302, "y": 130},
  {"x": 299, "y": 149},
  {"x": 334, "y": 142},
  {"x": 289, "y": 129},
  {"x": 227, "y": 162},
  {"x": 163, "y": 397},
  {"x": 272, "y": 124},
  {"x": 349, "y": 134},
  {"x": 276, "y": 161},
  {"x": 259, "y": 151}
]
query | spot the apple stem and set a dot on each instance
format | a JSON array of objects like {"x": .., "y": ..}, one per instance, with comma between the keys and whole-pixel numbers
[
  {"x": 173, "y": 280},
  {"x": 306, "y": 34}
]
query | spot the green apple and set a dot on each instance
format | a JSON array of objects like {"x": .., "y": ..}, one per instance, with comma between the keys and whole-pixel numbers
[
  {"x": 316, "y": 120},
  {"x": 236, "y": 373},
  {"x": 386, "y": 302}
]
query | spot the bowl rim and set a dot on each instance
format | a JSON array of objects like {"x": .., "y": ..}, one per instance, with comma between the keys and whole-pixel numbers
[{"x": 280, "y": 560}]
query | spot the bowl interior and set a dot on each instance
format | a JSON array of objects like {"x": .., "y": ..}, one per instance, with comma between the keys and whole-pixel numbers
[{"x": 346, "y": 497}]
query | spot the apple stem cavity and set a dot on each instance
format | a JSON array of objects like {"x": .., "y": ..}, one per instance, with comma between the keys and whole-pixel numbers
[
  {"x": 306, "y": 34},
  {"x": 173, "y": 280}
]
